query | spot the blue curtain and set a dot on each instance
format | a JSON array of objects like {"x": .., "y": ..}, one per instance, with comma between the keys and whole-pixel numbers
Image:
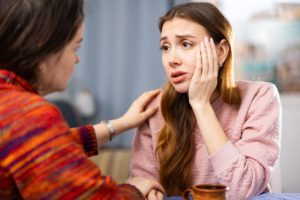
[{"x": 120, "y": 56}]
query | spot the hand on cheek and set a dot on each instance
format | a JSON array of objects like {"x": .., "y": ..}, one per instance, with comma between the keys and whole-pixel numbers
[{"x": 204, "y": 80}]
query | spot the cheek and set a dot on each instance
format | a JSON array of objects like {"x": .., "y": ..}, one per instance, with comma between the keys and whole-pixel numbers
[
  {"x": 190, "y": 61},
  {"x": 67, "y": 67},
  {"x": 72, "y": 61},
  {"x": 165, "y": 63}
]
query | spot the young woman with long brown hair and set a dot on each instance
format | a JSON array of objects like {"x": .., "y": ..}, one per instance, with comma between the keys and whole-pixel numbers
[{"x": 210, "y": 128}]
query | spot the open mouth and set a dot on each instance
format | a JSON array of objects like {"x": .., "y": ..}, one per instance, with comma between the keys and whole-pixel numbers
[{"x": 178, "y": 76}]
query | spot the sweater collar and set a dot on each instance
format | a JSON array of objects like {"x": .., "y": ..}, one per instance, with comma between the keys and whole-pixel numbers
[{"x": 10, "y": 78}]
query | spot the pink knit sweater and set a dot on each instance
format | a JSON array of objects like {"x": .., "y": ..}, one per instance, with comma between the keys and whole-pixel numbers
[{"x": 244, "y": 163}]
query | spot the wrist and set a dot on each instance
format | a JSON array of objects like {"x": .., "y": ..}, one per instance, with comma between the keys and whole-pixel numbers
[
  {"x": 199, "y": 105},
  {"x": 111, "y": 129}
]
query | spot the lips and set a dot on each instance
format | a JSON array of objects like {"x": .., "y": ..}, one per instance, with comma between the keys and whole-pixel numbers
[{"x": 178, "y": 76}]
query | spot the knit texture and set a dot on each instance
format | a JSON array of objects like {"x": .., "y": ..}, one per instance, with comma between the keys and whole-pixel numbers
[
  {"x": 244, "y": 164},
  {"x": 41, "y": 157}
]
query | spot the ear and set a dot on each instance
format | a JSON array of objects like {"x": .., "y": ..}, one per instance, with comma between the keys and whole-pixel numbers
[
  {"x": 222, "y": 51},
  {"x": 42, "y": 66}
]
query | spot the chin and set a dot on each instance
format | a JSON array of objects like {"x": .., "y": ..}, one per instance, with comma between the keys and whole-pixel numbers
[
  {"x": 180, "y": 88},
  {"x": 181, "y": 91},
  {"x": 60, "y": 89}
]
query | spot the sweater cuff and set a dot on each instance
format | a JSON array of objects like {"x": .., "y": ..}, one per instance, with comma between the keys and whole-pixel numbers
[
  {"x": 88, "y": 137},
  {"x": 224, "y": 157}
]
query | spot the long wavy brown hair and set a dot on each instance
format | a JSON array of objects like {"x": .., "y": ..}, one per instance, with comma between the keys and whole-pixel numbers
[{"x": 176, "y": 145}]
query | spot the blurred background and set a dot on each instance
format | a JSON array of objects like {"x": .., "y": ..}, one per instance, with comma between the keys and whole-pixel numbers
[{"x": 120, "y": 59}]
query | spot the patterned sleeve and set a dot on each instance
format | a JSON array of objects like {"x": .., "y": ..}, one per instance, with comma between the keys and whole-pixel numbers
[
  {"x": 46, "y": 162},
  {"x": 85, "y": 136},
  {"x": 246, "y": 165}
]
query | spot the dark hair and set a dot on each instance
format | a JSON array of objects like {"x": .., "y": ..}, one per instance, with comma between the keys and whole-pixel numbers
[
  {"x": 175, "y": 145},
  {"x": 31, "y": 30}
]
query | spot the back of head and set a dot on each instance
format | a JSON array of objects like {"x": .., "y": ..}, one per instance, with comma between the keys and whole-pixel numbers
[{"x": 32, "y": 30}]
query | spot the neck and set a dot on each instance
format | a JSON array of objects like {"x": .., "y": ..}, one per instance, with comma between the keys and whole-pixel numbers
[{"x": 214, "y": 96}]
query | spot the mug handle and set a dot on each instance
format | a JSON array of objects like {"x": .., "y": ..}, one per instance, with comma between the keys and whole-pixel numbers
[{"x": 186, "y": 194}]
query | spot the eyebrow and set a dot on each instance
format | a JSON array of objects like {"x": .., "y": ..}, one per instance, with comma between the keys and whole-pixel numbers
[{"x": 178, "y": 36}]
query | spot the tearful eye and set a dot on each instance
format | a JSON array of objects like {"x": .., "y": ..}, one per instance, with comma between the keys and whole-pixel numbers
[
  {"x": 164, "y": 47},
  {"x": 186, "y": 45}
]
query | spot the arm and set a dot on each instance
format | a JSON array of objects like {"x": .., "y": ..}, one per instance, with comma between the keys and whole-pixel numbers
[
  {"x": 246, "y": 165},
  {"x": 86, "y": 137},
  {"x": 93, "y": 137},
  {"x": 143, "y": 162},
  {"x": 46, "y": 162},
  {"x": 202, "y": 90}
]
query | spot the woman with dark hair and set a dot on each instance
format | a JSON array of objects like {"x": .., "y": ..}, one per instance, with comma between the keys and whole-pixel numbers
[
  {"x": 210, "y": 128},
  {"x": 40, "y": 156}
]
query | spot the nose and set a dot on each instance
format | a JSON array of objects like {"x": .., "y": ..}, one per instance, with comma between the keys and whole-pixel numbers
[{"x": 174, "y": 59}]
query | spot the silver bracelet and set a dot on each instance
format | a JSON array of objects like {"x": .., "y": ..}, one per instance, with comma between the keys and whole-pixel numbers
[{"x": 111, "y": 129}]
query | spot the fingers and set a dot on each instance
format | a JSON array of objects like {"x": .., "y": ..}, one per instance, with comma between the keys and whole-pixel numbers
[
  {"x": 149, "y": 188},
  {"x": 214, "y": 52},
  {"x": 159, "y": 195},
  {"x": 149, "y": 112},
  {"x": 159, "y": 187},
  {"x": 198, "y": 69},
  {"x": 152, "y": 195},
  {"x": 204, "y": 60},
  {"x": 147, "y": 97},
  {"x": 210, "y": 58},
  {"x": 137, "y": 112},
  {"x": 155, "y": 195}
]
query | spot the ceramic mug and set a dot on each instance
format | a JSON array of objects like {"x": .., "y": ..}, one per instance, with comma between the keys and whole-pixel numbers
[{"x": 206, "y": 192}]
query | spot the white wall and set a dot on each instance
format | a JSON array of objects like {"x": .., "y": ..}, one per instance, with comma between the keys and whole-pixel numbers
[{"x": 290, "y": 149}]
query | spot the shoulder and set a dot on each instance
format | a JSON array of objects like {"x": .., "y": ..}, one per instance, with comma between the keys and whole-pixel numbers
[
  {"x": 45, "y": 110},
  {"x": 255, "y": 85},
  {"x": 155, "y": 121},
  {"x": 257, "y": 96},
  {"x": 155, "y": 102},
  {"x": 32, "y": 108},
  {"x": 40, "y": 105},
  {"x": 255, "y": 89},
  {"x": 28, "y": 116}
]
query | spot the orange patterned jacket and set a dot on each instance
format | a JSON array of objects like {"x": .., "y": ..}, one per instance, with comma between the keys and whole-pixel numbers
[{"x": 41, "y": 157}]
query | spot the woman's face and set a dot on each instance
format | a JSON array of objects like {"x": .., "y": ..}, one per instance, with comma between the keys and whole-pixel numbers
[
  {"x": 55, "y": 71},
  {"x": 179, "y": 41}
]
